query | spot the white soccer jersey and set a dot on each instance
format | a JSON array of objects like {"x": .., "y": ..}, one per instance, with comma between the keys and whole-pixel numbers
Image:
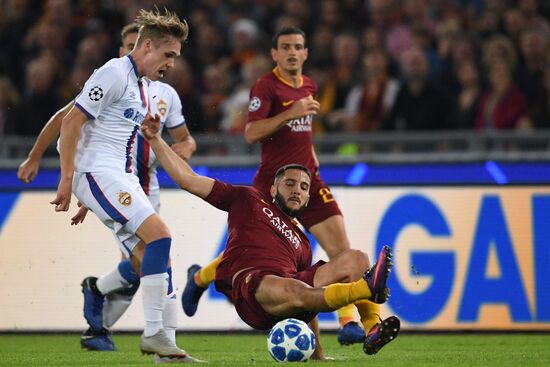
[
  {"x": 116, "y": 101},
  {"x": 164, "y": 101}
]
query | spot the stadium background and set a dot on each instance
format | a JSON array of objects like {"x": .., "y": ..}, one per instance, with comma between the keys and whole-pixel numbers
[{"x": 464, "y": 205}]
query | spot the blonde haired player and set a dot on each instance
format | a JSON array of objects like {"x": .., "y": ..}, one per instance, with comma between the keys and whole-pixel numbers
[
  {"x": 120, "y": 285},
  {"x": 97, "y": 138}
]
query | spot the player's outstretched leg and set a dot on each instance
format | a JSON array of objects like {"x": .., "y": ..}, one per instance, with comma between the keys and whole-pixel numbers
[
  {"x": 98, "y": 340},
  {"x": 377, "y": 276},
  {"x": 351, "y": 333},
  {"x": 381, "y": 334},
  {"x": 192, "y": 292}
]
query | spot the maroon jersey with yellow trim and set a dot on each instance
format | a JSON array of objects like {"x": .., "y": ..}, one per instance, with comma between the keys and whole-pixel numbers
[
  {"x": 260, "y": 235},
  {"x": 292, "y": 143}
]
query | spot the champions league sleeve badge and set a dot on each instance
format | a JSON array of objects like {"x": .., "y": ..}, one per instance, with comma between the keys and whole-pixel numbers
[
  {"x": 96, "y": 93},
  {"x": 254, "y": 104}
]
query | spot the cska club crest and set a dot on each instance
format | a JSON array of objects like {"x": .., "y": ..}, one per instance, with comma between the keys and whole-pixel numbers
[
  {"x": 124, "y": 198},
  {"x": 162, "y": 107}
]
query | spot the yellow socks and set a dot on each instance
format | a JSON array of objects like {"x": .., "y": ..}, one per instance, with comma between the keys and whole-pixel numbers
[
  {"x": 346, "y": 314},
  {"x": 370, "y": 313},
  {"x": 341, "y": 294},
  {"x": 207, "y": 274}
]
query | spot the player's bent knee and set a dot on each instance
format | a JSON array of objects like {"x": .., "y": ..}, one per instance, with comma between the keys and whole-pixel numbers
[
  {"x": 360, "y": 259},
  {"x": 356, "y": 262},
  {"x": 160, "y": 231},
  {"x": 152, "y": 229}
]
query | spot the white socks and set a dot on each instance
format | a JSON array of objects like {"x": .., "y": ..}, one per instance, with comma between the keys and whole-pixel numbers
[
  {"x": 114, "y": 306},
  {"x": 111, "y": 282},
  {"x": 159, "y": 311},
  {"x": 170, "y": 316},
  {"x": 153, "y": 288}
]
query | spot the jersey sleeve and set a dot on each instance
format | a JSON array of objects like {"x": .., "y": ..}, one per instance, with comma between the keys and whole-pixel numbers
[
  {"x": 175, "y": 116},
  {"x": 105, "y": 86},
  {"x": 261, "y": 99},
  {"x": 223, "y": 195}
]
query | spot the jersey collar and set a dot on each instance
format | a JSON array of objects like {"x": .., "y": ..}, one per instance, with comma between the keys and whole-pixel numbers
[
  {"x": 134, "y": 66},
  {"x": 142, "y": 94},
  {"x": 280, "y": 77}
]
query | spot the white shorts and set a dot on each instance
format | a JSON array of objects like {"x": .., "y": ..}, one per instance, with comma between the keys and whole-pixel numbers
[
  {"x": 118, "y": 201},
  {"x": 154, "y": 199}
]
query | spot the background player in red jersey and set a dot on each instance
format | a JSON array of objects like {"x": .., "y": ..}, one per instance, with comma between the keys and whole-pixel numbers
[
  {"x": 266, "y": 267},
  {"x": 280, "y": 117}
]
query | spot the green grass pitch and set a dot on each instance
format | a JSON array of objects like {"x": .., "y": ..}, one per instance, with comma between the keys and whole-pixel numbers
[{"x": 226, "y": 349}]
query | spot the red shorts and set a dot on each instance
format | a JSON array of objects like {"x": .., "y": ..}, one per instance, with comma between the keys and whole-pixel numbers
[
  {"x": 321, "y": 206},
  {"x": 242, "y": 294}
]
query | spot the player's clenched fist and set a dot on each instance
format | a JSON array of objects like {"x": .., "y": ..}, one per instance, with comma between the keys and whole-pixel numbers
[
  {"x": 27, "y": 170},
  {"x": 305, "y": 106},
  {"x": 150, "y": 126}
]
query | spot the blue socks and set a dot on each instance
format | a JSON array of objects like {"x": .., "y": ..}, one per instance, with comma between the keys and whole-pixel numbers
[{"x": 155, "y": 257}]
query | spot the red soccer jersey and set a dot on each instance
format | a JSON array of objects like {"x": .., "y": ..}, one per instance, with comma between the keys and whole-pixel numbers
[
  {"x": 292, "y": 143},
  {"x": 260, "y": 235}
]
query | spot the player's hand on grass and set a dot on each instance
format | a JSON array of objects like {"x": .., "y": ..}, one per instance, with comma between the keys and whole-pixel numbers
[
  {"x": 305, "y": 106},
  {"x": 62, "y": 200},
  {"x": 150, "y": 126},
  {"x": 323, "y": 358},
  {"x": 80, "y": 215},
  {"x": 28, "y": 170},
  {"x": 319, "y": 355}
]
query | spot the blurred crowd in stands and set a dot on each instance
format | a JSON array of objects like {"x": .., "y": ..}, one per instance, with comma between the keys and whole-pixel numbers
[{"x": 404, "y": 65}]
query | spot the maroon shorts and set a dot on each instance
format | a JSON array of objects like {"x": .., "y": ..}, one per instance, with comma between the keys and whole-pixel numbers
[
  {"x": 321, "y": 206},
  {"x": 243, "y": 296}
]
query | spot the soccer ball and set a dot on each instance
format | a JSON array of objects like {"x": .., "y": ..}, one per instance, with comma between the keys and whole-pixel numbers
[{"x": 291, "y": 340}]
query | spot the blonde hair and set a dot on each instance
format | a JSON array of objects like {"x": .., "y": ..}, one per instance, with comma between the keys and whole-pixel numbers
[{"x": 159, "y": 26}]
